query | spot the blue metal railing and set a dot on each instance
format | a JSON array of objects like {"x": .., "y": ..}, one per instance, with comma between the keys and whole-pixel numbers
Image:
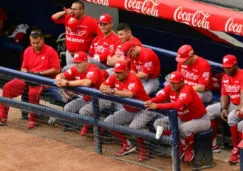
[{"x": 96, "y": 94}]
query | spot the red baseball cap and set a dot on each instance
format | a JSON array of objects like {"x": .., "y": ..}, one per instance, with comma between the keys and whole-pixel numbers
[
  {"x": 176, "y": 77},
  {"x": 105, "y": 18},
  {"x": 127, "y": 47},
  {"x": 120, "y": 66},
  {"x": 229, "y": 60},
  {"x": 184, "y": 53},
  {"x": 80, "y": 57}
]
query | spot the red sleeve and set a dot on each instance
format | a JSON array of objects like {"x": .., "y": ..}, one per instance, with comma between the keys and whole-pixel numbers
[
  {"x": 132, "y": 66},
  {"x": 223, "y": 91},
  {"x": 163, "y": 95},
  {"x": 241, "y": 84},
  {"x": 104, "y": 55},
  {"x": 59, "y": 21},
  {"x": 205, "y": 75},
  {"x": 92, "y": 75},
  {"x": 25, "y": 60},
  {"x": 54, "y": 59},
  {"x": 91, "y": 48},
  {"x": 179, "y": 67},
  {"x": 114, "y": 49},
  {"x": 149, "y": 65},
  {"x": 110, "y": 81},
  {"x": 134, "y": 86},
  {"x": 184, "y": 99},
  {"x": 70, "y": 73}
]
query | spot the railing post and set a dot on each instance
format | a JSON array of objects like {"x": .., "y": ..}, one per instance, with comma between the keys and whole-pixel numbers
[
  {"x": 98, "y": 145},
  {"x": 175, "y": 140}
]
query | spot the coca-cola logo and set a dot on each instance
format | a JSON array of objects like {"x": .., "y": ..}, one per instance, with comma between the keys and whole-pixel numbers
[
  {"x": 148, "y": 7},
  {"x": 100, "y": 2},
  {"x": 233, "y": 27},
  {"x": 196, "y": 19}
]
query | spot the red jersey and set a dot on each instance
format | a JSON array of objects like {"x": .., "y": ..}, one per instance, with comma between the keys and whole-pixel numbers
[
  {"x": 199, "y": 73},
  {"x": 147, "y": 62},
  {"x": 117, "y": 48},
  {"x": 102, "y": 46},
  {"x": 191, "y": 106},
  {"x": 92, "y": 73},
  {"x": 42, "y": 61},
  {"x": 81, "y": 38},
  {"x": 232, "y": 86},
  {"x": 133, "y": 84}
]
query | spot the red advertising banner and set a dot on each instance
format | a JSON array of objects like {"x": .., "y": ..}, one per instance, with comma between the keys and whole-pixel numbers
[{"x": 188, "y": 12}]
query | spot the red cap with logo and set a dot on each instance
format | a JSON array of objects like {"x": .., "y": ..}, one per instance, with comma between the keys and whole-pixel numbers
[
  {"x": 184, "y": 53},
  {"x": 73, "y": 23},
  {"x": 127, "y": 47},
  {"x": 80, "y": 57},
  {"x": 105, "y": 18},
  {"x": 120, "y": 66},
  {"x": 229, "y": 60},
  {"x": 176, "y": 77}
]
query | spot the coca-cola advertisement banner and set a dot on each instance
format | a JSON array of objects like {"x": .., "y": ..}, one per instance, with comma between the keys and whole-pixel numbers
[{"x": 195, "y": 14}]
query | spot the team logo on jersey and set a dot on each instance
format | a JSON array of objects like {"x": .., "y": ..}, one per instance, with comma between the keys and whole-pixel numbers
[
  {"x": 117, "y": 85},
  {"x": 131, "y": 86},
  {"x": 182, "y": 96},
  {"x": 90, "y": 74},
  {"x": 148, "y": 65},
  {"x": 42, "y": 57},
  {"x": 205, "y": 74},
  {"x": 77, "y": 77}
]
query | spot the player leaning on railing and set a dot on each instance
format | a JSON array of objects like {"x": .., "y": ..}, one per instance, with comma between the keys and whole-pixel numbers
[{"x": 192, "y": 115}]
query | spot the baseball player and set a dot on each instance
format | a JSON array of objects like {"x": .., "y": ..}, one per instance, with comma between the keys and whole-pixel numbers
[
  {"x": 196, "y": 70},
  {"x": 80, "y": 30},
  {"x": 192, "y": 115},
  {"x": 230, "y": 104},
  {"x": 39, "y": 59},
  {"x": 83, "y": 74},
  {"x": 103, "y": 44},
  {"x": 125, "y": 34},
  {"x": 126, "y": 84},
  {"x": 144, "y": 63}
]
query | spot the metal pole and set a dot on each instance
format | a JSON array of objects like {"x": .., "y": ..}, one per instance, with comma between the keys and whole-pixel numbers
[
  {"x": 175, "y": 141},
  {"x": 98, "y": 145}
]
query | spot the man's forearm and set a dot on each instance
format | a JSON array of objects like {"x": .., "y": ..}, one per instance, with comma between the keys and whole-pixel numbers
[
  {"x": 59, "y": 15},
  {"x": 199, "y": 88},
  {"x": 224, "y": 101},
  {"x": 50, "y": 72}
]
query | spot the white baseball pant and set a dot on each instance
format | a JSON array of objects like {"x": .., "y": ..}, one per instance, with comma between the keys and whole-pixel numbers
[
  {"x": 136, "y": 120},
  {"x": 88, "y": 108},
  {"x": 194, "y": 126}
]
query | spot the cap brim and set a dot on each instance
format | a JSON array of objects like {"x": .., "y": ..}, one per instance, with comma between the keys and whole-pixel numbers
[
  {"x": 227, "y": 66},
  {"x": 106, "y": 22},
  {"x": 118, "y": 70},
  {"x": 178, "y": 59},
  {"x": 173, "y": 81}
]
